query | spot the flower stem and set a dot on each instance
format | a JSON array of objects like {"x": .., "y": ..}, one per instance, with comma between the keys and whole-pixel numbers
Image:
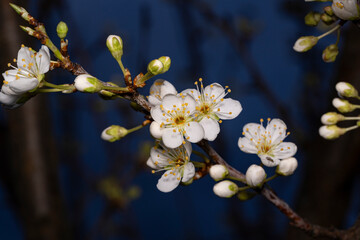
[
  {"x": 124, "y": 89},
  {"x": 329, "y": 32},
  {"x": 244, "y": 188},
  {"x": 121, "y": 66},
  {"x": 198, "y": 164},
  {"x": 48, "y": 90},
  {"x": 62, "y": 87},
  {"x": 203, "y": 156},
  {"x": 135, "y": 129},
  {"x": 146, "y": 77},
  {"x": 237, "y": 179}
]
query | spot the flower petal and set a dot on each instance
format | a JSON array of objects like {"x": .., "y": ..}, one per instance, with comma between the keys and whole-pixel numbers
[
  {"x": 6, "y": 89},
  {"x": 190, "y": 104},
  {"x": 156, "y": 130},
  {"x": 228, "y": 109},
  {"x": 170, "y": 100},
  {"x": 157, "y": 114},
  {"x": 23, "y": 85},
  {"x": 277, "y": 130},
  {"x": 211, "y": 128},
  {"x": 167, "y": 88},
  {"x": 8, "y": 99},
  {"x": 189, "y": 172},
  {"x": 188, "y": 148},
  {"x": 285, "y": 150},
  {"x": 246, "y": 145},
  {"x": 172, "y": 139},
  {"x": 214, "y": 90},
  {"x": 168, "y": 181},
  {"x": 269, "y": 161},
  {"x": 150, "y": 163},
  {"x": 43, "y": 60},
  {"x": 253, "y": 130},
  {"x": 24, "y": 58},
  {"x": 194, "y": 132},
  {"x": 153, "y": 100},
  {"x": 192, "y": 92},
  {"x": 10, "y": 75},
  {"x": 158, "y": 158}
]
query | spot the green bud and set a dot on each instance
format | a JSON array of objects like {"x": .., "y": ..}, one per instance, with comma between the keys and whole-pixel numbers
[
  {"x": 156, "y": 67},
  {"x": 114, "y": 133},
  {"x": 328, "y": 10},
  {"x": 115, "y": 46},
  {"x": 327, "y": 19},
  {"x": 304, "y": 44},
  {"x": 87, "y": 83},
  {"x": 245, "y": 195},
  {"x": 28, "y": 30},
  {"x": 107, "y": 95},
  {"x": 62, "y": 30},
  {"x": 312, "y": 19},
  {"x": 331, "y": 118},
  {"x": 345, "y": 89},
  {"x": 330, "y": 53},
  {"x": 331, "y": 132},
  {"x": 342, "y": 105},
  {"x": 166, "y": 61},
  {"x": 21, "y": 11}
]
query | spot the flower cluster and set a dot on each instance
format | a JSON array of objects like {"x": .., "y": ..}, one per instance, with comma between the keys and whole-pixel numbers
[
  {"x": 30, "y": 70},
  {"x": 192, "y": 115},
  {"x": 330, "y": 130}
]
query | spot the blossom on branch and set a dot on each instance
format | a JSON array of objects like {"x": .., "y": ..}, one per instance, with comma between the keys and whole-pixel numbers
[
  {"x": 176, "y": 164},
  {"x": 158, "y": 90},
  {"x": 267, "y": 142}
]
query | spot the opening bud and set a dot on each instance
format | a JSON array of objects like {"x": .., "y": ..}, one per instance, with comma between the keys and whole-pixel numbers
[
  {"x": 331, "y": 118},
  {"x": 343, "y": 105},
  {"x": 87, "y": 83},
  {"x": 287, "y": 166},
  {"x": 312, "y": 19},
  {"x": 62, "y": 30},
  {"x": 346, "y": 89},
  {"x": 304, "y": 44},
  {"x": 155, "y": 67},
  {"x": 225, "y": 189},
  {"x": 218, "y": 172},
  {"x": 255, "y": 176},
  {"x": 115, "y": 46},
  {"x": 166, "y": 61},
  {"x": 346, "y": 10},
  {"x": 114, "y": 133},
  {"x": 331, "y": 132},
  {"x": 330, "y": 53}
]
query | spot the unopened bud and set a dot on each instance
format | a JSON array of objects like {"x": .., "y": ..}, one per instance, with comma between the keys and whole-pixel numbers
[
  {"x": 225, "y": 189},
  {"x": 245, "y": 195},
  {"x": 312, "y": 19},
  {"x": 62, "y": 30},
  {"x": 114, "y": 133},
  {"x": 107, "y": 95},
  {"x": 287, "y": 166},
  {"x": 115, "y": 46},
  {"x": 343, "y": 105},
  {"x": 346, "y": 10},
  {"x": 331, "y": 118},
  {"x": 331, "y": 132},
  {"x": 304, "y": 44},
  {"x": 28, "y": 30},
  {"x": 166, "y": 61},
  {"x": 218, "y": 172},
  {"x": 345, "y": 89},
  {"x": 21, "y": 11},
  {"x": 255, "y": 176},
  {"x": 327, "y": 19},
  {"x": 155, "y": 67},
  {"x": 87, "y": 83},
  {"x": 328, "y": 10},
  {"x": 330, "y": 53}
]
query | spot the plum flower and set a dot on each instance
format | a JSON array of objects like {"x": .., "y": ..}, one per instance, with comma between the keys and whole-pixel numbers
[
  {"x": 158, "y": 90},
  {"x": 173, "y": 120},
  {"x": 176, "y": 164},
  {"x": 212, "y": 107},
  {"x": 267, "y": 142}
]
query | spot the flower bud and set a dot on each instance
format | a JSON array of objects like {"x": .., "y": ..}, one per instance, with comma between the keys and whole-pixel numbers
[
  {"x": 155, "y": 67},
  {"x": 62, "y": 30},
  {"x": 330, "y": 53},
  {"x": 327, "y": 19},
  {"x": 156, "y": 130},
  {"x": 114, "y": 133},
  {"x": 304, "y": 44},
  {"x": 255, "y": 175},
  {"x": 218, "y": 172},
  {"x": 343, "y": 105},
  {"x": 328, "y": 10},
  {"x": 331, "y": 118},
  {"x": 245, "y": 195},
  {"x": 312, "y": 19},
  {"x": 346, "y": 10},
  {"x": 166, "y": 61},
  {"x": 107, "y": 95},
  {"x": 331, "y": 132},
  {"x": 287, "y": 166},
  {"x": 87, "y": 83},
  {"x": 225, "y": 189},
  {"x": 115, "y": 46},
  {"x": 345, "y": 89}
]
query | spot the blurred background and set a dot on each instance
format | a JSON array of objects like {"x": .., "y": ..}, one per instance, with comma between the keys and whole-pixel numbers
[{"x": 59, "y": 180}]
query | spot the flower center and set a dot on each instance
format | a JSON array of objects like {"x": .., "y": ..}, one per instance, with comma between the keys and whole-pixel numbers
[{"x": 179, "y": 120}]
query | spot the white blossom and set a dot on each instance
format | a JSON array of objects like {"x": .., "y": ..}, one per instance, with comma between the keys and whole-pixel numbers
[
  {"x": 287, "y": 166},
  {"x": 211, "y": 107},
  {"x": 255, "y": 176},
  {"x": 346, "y": 9},
  {"x": 175, "y": 118},
  {"x": 267, "y": 142},
  {"x": 158, "y": 90},
  {"x": 225, "y": 189},
  {"x": 176, "y": 164}
]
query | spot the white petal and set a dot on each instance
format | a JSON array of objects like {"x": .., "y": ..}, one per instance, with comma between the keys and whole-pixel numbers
[
  {"x": 192, "y": 92},
  {"x": 158, "y": 157},
  {"x": 154, "y": 101},
  {"x": 194, "y": 132},
  {"x": 150, "y": 163},
  {"x": 23, "y": 85},
  {"x": 285, "y": 150},
  {"x": 10, "y": 75},
  {"x": 211, "y": 128},
  {"x": 172, "y": 139},
  {"x": 191, "y": 103},
  {"x": 8, "y": 99},
  {"x": 170, "y": 100},
  {"x": 24, "y": 57},
  {"x": 214, "y": 90},
  {"x": 277, "y": 130},
  {"x": 156, "y": 130},
  {"x": 188, "y": 148},
  {"x": 253, "y": 131},
  {"x": 229, "y": 109},
  {"x": 246, "y": 145},
  {"x": 167, "y": 88},
  {"x": 6, "y": 89},
  {"x": 43, "y": 60},
  {"x": 168, "y": 182},
  {"x": 269, "y": 161},
  {"x": 157, "y": 114},
  {"x": 189, "y": 172}
]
